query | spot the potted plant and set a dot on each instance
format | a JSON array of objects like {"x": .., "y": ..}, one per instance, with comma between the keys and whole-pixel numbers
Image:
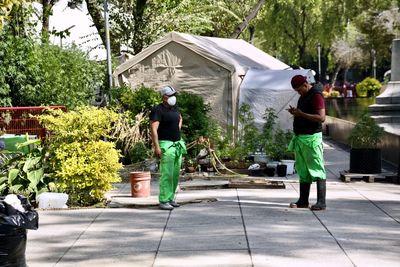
[
  {"x": 277, "y": 151},
  {"x": 365, "y": 155},
  {"x": 190, "y": 165}
]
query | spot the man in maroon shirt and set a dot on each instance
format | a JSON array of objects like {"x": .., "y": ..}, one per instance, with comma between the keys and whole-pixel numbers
[{"x": 307, "y": 142}]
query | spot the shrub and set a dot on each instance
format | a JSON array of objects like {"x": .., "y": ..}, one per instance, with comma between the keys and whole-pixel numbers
[
  {"x": 366, "y": 133},
  {"x": 248, "y": 132},
  {"x": 86, "y": 170},
  {"x": 33, "y": 74},
  {"x": 195, "y": 115},
  {"x": 334, "y": 93},
  {"x": 368, "y": 87},
  {"x": 136, "y": 100},
  {"x": 85, "y": 166}
]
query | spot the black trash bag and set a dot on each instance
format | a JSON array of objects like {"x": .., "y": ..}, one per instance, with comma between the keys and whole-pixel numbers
[{"x": 13, "y": 226}]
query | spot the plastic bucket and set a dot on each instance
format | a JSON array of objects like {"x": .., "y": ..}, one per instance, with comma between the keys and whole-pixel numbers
[
  {"x": 281, "y": 170},
  {"x": 50, "y": 200},
  {"x": 140, "y": 184},
  {"x": 290, "y": 165}
]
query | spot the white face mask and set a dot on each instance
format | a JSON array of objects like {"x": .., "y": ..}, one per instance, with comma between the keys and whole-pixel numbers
[{"x": 171, "y": 101}]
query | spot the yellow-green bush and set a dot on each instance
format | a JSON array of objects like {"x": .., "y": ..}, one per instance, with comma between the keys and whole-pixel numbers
[
  {"x": 368, "y": 87},
  {"x": 86, "y": 170},
  {"x": 84, "y": 165}
]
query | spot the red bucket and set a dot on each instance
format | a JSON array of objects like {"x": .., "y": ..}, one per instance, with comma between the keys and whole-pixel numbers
[{"x": 140, "y": 184}]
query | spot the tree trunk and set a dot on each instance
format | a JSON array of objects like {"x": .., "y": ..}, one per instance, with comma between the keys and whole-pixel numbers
[
  {"x": 242, "y": 26},
  {"x": 96, "y": 13},
  {"x": 138, "y": 32},
  {"x": 335, "y": 76},
  {"x": 47, "y": 10}
]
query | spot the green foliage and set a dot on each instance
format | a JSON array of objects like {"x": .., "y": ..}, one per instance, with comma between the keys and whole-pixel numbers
[
  {"x": 274, "y": 139},
  {"x": 248, "y": 133},
  {"x": 85, "y": 166},
  {"x": 137, "y": 104},
  {"x": 291, "y": 30},
  {"x": 136, "y": 24},
  {"x": 267, "y": 132},
  {"x": 334, "y": 93},
  {"x": 196, "y": 121},
  {"x": 44, "y": 74},
  {"x": 86, "y": 170},
  {"x": 139, "y": 152},
  {"x": 366, "y": 133},
  {"x": 278, "y": 149},
  {"x": 136, "y": 100},
  {"x": 368, "y": 87},
  {"x": 195, "y": 115},
  {"x": 5, "y": 8},
  {"x": 25, "y": 173},
  {"x": 127, "y": 134}
]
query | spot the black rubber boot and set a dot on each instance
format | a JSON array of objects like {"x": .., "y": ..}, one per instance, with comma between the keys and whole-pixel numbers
[
  {"x": 302, "y": 202},
  {"x": 321, "y": 196}
]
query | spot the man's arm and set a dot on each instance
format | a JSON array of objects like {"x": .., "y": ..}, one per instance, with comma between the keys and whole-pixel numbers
[
  {"x": 318, "y": 104},
  {"x": 180, "y": 121},
  {"x": 154, "y": 137},
  {"x": 319, "y": 117}
]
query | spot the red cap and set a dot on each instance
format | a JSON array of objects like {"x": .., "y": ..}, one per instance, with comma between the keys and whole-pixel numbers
[{"x": 297, "y": 81}]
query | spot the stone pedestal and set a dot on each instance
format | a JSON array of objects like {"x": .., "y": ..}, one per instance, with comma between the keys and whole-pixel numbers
[{"x": 386, "y": 111}]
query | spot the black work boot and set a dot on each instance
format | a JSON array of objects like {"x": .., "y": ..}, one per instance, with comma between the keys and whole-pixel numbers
[
  {"x": 302, "y": 202},
  {"x": 321, "y": 196}
]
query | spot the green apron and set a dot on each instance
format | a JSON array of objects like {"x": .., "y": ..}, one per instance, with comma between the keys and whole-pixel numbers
[
  {"x": 309, "y": 155},
  {"x": 170, "y": 166}
]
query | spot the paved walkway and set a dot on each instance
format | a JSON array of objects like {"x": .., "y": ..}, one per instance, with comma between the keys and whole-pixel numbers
[{"x": 230, "y": 227}]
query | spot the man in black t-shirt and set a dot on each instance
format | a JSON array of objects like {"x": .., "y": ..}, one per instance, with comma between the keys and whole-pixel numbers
[{"x": 166, "y": 123}]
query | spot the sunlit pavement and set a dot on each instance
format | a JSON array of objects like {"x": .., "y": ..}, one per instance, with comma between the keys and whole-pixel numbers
[{"x": 231, "y": 227}]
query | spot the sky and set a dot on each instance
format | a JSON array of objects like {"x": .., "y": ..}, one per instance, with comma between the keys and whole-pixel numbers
[{"x": 83, "y": 33}]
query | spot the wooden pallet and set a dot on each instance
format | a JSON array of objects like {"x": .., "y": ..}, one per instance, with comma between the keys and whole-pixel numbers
[{"x": 347, "y": 177}]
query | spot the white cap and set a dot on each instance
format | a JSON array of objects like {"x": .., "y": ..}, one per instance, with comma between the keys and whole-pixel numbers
[{"x": 168, "y": 90}]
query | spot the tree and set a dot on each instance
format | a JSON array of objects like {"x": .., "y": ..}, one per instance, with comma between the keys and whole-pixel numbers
[
  {"x": 136, "y": 24},
  {"x": 292, "y": 29},
  {"x": 47, "y": 10},
  {"x": 253, "y": 13},
  {"x": 379, "y": 25},
  {"x": 36, "y": 74},
  {"x": 346, "y": 52}
]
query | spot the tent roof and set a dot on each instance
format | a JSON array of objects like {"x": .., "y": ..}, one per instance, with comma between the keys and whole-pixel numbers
[
  {"x": 271, "y": 88},
  {"x": 232, "y": 54},
  {"x": 273, "y": 79}
]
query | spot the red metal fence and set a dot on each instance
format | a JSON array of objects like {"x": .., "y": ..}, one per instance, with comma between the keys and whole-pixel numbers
[{"x": 18, "y": 120}]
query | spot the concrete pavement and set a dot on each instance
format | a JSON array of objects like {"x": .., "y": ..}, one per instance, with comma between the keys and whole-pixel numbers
[{"x": 229, "y": 227}]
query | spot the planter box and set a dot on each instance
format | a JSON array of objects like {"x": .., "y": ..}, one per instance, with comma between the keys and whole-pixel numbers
[{"x": 365, "y": 160}]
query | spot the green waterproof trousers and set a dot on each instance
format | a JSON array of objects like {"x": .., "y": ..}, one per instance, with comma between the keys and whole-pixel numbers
[
  {"x": 309, "y": 156},
  {"x": 170, "y": 166}
]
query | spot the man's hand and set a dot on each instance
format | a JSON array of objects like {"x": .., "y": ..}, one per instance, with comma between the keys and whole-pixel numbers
[
  {"x": 294, "y": 111},
  {"x": 157, "y": 152}
]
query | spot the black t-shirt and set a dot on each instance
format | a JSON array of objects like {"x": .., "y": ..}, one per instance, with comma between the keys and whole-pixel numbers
[
  {"x": 308, "y": 105},
  {"x": 169, "y": 122}
]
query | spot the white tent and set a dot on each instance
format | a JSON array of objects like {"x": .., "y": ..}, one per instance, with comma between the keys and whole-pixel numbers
[
  {"x": 263, "y": 89},
  {"x": 210, "y": 67}
]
